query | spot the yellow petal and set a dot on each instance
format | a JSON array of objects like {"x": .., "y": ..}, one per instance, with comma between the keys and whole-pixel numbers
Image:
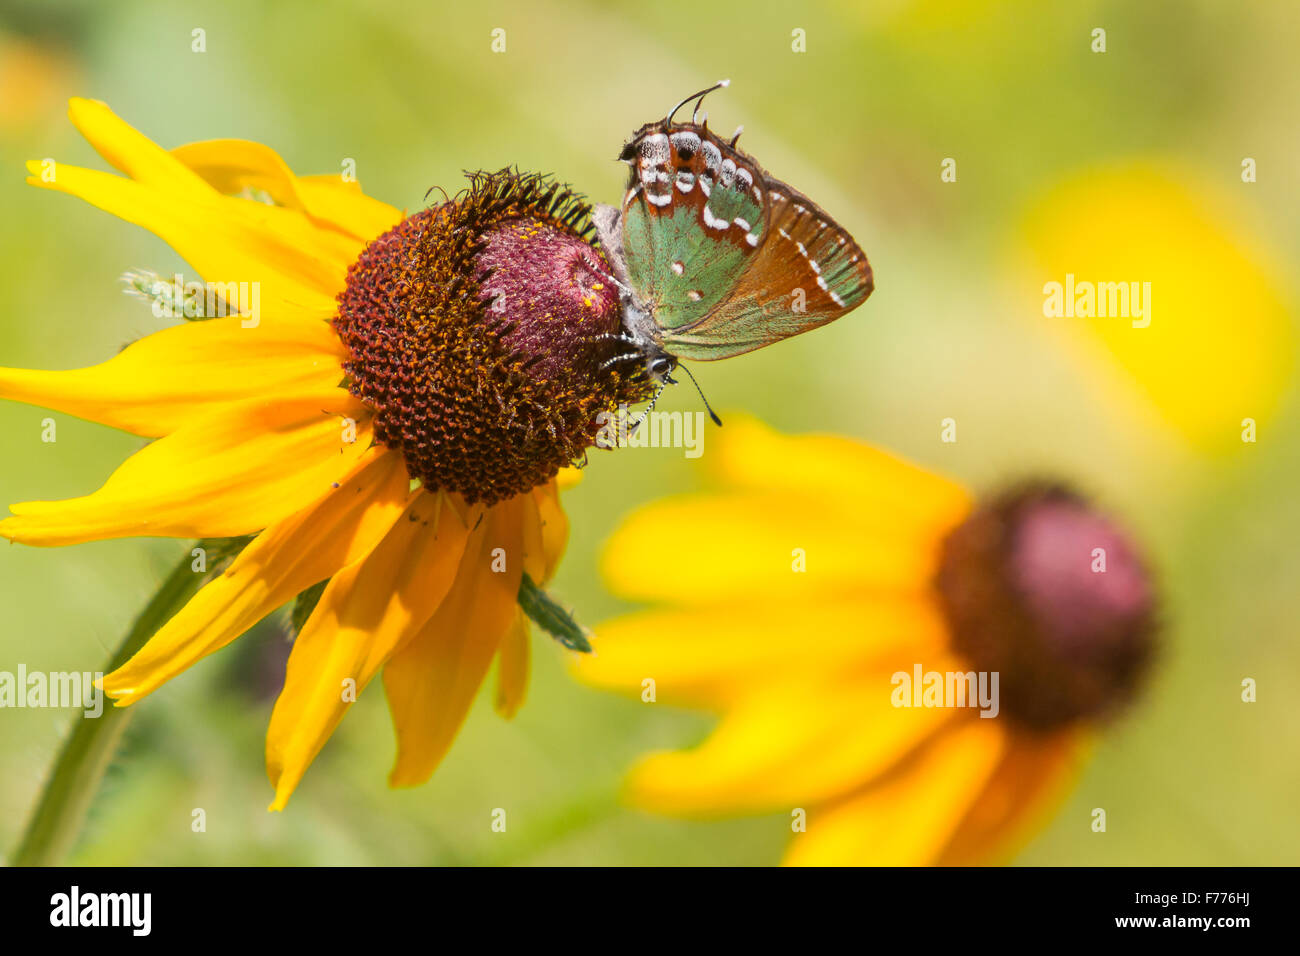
[
  {"x": 709, "y": 655},
  {"x": 730, "y": 547},
  {"x": 233, "y": 471},
  {"x": 132, "y": 152},
  {"x": 534, "y": 544},
  {"x": 907, "y": 818},
  {"x": 166, "y": 173},
  {"x": 338, "y": 529},
  {"x": 788, "y": 746},
  {"x": 296, "y": 271},
  {"x": 1032, "y": 778},
  {"x": 233, "y": 165},
  {"x": 512, "y": 667},
  {"x": 328, "y": 197},
  {"x": 749, "y": 455},
  {"x": 366, "y": 613},
  {"x": 554, "y": 526},
  {"x": 567, "y": 478},
  {"x": 157, "y": 384},
  {"x": 432, "y": 682}
]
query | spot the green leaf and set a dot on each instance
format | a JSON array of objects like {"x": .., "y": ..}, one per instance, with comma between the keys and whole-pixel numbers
[
  {"x": 304, "y": 605},
  {"x": 542, "y": 609}
]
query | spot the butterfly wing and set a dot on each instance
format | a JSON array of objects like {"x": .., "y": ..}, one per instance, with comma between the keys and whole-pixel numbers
[
  {"x": 809, "y": 271},
  {"x": 686, "y": 216},
  {"x": 727, "y": 259}
]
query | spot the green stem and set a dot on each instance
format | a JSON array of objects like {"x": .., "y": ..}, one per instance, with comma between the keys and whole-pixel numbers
[{"x": 89, "y": 749}]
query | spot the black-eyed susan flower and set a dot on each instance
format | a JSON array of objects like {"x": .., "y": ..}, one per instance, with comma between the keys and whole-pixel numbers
[
  {"x": 1130, "y": 247},
  {"x": 382, "y": 401},
  {"x": 844, "y": 612}
]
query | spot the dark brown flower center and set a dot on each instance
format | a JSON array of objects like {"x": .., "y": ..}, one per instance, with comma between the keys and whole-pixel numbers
[
  {"x": 479, "y": 331},
  {"x": 1040, "y": 588}
]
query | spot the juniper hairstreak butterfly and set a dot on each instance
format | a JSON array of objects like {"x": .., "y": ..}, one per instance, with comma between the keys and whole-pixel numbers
[{"x": 715, "y": 257}]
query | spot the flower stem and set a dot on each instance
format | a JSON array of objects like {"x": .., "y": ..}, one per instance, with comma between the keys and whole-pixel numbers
[{"x": 89, "y": 749}]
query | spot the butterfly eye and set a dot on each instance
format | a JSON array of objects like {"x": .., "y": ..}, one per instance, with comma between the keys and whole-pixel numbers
[{"x": 661, "y": 366}]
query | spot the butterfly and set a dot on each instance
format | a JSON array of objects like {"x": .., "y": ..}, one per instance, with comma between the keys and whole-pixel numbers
[{"x": 714, "y": 257}]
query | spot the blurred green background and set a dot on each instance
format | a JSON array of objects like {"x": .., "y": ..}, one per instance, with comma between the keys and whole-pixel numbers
[{"x": 861, "y": 121}]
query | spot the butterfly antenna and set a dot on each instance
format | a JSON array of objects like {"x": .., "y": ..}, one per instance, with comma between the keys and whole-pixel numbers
[
  {"x": 619, "y": 358},
  {"x": 668, "y": 121},
  {"x": 712, "y": 414},
  {"x": 613, "y": 281},
  {"x": 651, "y": 407},
  {"x": 617, "y": 336}
]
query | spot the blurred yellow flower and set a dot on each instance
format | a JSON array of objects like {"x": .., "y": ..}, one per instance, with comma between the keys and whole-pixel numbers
[
  {"x": 305, "y": 412},
  {"x": 33, "y": 78},
  {"x": 832, "y": 602},
  {"x": 1217, "y": 344}
]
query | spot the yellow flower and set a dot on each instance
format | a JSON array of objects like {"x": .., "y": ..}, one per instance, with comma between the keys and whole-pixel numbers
[
  {"x": 33, "y": 75},
  {"x": 805, "y": 600},
  {"x": 1211, "y": 351},
  {"x": 369, "y": 403}
]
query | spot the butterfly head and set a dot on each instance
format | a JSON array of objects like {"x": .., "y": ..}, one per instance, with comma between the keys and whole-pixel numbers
[
  {"x": 660, "y": 366},
  {"x": 643, "y": 342}
]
